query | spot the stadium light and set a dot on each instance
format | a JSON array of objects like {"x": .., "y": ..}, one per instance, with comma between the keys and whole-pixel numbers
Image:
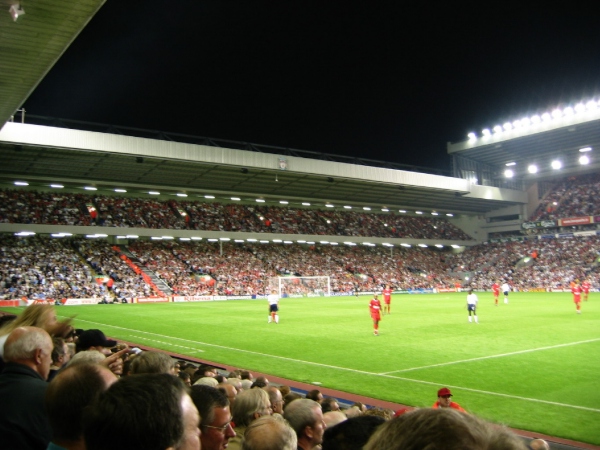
[
  {"x": 288, "y": 242},
  {"x": 153, "y": 192},
  {"x": 194, "y": 238},
  {"x": 385, "y": 210},
  {"x": 366, "y": 208},
  {"x": 579, "y": 108},
  {"x": 181, "y": 194},
  {"x": 235, "y": 199},
  {"x": 508, "y": 173},
  {"x": 418, "y": 212},
  {"x": 260, "y": 200},
  {"x": 184, "y": 239},
  {"x": 439, "y": 245},
  {"x": 497, "y": 129},
  {"x": 535, "y": 119},
  {"x": 349, "y": 243},
  {"x": 423, "y": 245},
  {"x": 585, "y": 149},
  {"x": 546, "y": 117},
  {"x": 556, "y": 164},
  {"x": 283, "y": 202},
  {"x": 329, "y": 205},
  {"x": 507, "y": 126},
  {"x": 557, "y": 113},
  {"x": 21, "y": 183},
  {"x": 120, "y": 190},
  {"x": 225, "y": 239},
  {"x": 90, "y": 188},
  {"x": 583, "y": 160},
  {"x": 239, "y": 241},
  {"x": 591, "y": 105},
  {"x": 347, "y": 207},
  {"x": 135, "y": 236},
  {"x": 568, "y": 111},
  {"x": 213, "y": 240},
  {"x": 516, "y": 124},
  {"x": 525, "y": 121},
  {"x": 209, "y": 196},
  {"x": 509, "y": 164},
  {"x": 403, "y": 211},
  {"x": 532, "y": 168},
  {"x": 450, "y": 214},
  {"x": 278, "y": 241},
  {"x": 305, "y": 204},
  {"x": 252, "y": 240},
  {"x": 433, "y": 213},
  {"x": 486, "y": 132},
  {"x": 264, "y": 241},
  {"x": 302, "y": 241},
  {"x": 57, "y": 186},
  {"x": 25, "y": 233},
  {"x": 472, "y": 136}
]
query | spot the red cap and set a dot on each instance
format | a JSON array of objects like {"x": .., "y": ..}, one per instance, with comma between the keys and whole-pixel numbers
[{"x": 443, "y": 392}]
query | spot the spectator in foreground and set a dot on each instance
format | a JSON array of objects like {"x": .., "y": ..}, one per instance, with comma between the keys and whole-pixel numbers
[
  {"x": 249, "y": 405},
  {"x": 67, "y": 395},
  {"x": 215, "y": 417},
  {"x": 441, "y": 429},
  {"x": 23, "y": 421},
  {"x": 270, "y": 433},
  {"x": 152, "y": 362},
  {"x": 351, "y": 434},
  {"x": 306, "y": 418},
  {"x": 147, "y": 411}
]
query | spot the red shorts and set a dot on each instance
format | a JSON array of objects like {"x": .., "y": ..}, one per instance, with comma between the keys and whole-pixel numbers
[
  {"x": 387, "y": 301},
  {"x": 375, "y": 317}
]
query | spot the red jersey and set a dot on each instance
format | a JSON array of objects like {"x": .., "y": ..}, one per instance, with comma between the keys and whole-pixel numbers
[
  {"x": 496, "y": 289},
  {"x": 576, "y": 290},
  {"x": 387, "y": 295},
  {"x": 375, "y": 308},
  {"x": 586, "y": 287},
  {"x": 453, "y": 405}
]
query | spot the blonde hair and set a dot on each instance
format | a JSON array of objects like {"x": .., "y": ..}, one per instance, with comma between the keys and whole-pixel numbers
[{"x": 33, "y": 316}]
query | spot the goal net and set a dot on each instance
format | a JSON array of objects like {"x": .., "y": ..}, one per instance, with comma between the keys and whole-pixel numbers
[{"x": 300, "y": 286}]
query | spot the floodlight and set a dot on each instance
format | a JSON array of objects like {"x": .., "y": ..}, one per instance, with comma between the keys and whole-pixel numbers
[
  {"x": 532, "y": 168},
  {"x": 546, "y": 117},
  {"x": 525, "y": 121},
  {"x": 347, "y": 207},
  {"x": 153, "y": 192},
  {"x": 508, "y": 173},
  {"x": 21, "y": 183},
  {"x": 535, "y": 119},
  {"x": 585, "y": 149},
  {"x": 209, "y": 196},
  {"x": 329, "y": 205},
  {"x": 497, "y": 129},
  {"x": 486, "y": 132},
  {"x": 583, "y": 160},
  {"x": 568, "y": 111},
  {"x": 57, "y": 186},
  {"x": 579, "y": 108},
  {"x": 472, "y": 136},
  {"x": 367, "y": 208},
  {"x": 180, "y": 194},
  {"x": 507, "y": 126},
  {"x": 557, "y": 113},
  {"x": 509, "y": 164},
  {"x": 556, "y": 164},
  {"x": 516, "y": 124},
  {"x": 120, "y": 190},
  {"x": 591, "y": 105}
]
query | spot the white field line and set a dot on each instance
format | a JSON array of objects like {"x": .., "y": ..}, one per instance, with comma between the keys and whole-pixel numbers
[
  {"x": 480, "y": 358},
  {"x": 345, "y": 369}
]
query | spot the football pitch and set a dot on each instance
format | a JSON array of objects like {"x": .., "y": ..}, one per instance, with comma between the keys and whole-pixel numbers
[{"x": 532, "y": 364}]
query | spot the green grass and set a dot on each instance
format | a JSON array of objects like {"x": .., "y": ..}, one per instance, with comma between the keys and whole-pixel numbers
[{"x": 533, "y": 364}]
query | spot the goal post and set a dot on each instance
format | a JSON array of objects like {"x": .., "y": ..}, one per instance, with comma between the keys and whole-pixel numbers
[{"x": 301, "y": 286}]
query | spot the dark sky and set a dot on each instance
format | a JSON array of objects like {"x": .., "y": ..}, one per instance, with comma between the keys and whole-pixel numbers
[{"x": 394, "y": 83}]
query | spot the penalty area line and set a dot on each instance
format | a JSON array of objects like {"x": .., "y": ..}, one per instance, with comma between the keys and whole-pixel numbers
[{"x": 481, "y": 358}]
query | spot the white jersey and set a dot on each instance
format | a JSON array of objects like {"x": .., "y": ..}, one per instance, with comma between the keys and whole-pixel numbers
[
  {"x": 505, "y": 287},
  {"x": 472, "y": 299},
  {"x": 273, "y": 299}
]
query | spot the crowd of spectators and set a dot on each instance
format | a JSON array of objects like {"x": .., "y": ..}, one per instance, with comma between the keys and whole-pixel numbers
[
  {"x": 574, "y": 196},
  {"x": 39, "y": 268},
  {"x": 63, "y": 208}
]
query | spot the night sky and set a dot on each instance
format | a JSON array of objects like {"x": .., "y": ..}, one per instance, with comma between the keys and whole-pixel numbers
[{"x": 393, "y": 83}]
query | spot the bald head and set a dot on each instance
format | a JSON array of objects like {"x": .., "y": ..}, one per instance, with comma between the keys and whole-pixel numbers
[
  {"x": 30, "y": 346},
  {"x": 539, "y": 444},
  {"x": 270, "y": 433},
  {"x": 69, "y": 393}
]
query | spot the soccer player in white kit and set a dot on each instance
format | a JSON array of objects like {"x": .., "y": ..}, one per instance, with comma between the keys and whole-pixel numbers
[
  {"x": 472, "y": 305},
  {"x": 273, "y": 300}
]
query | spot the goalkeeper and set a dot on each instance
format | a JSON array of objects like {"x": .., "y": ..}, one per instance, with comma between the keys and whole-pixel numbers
[{"x": 273, "y": 300}]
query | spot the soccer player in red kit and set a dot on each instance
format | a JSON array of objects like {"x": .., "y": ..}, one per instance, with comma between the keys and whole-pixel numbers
[
  {"x": 387, "y": 299},
  {"x": 496, "y": 292},
  {"x": 576, "y": 290},
  {"x": 586, "y": 286},
  {"x": 375, "y": 309}
]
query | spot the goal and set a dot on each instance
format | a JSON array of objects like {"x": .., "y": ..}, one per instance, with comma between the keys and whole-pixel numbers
[{"x": 301, "y": 286}]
